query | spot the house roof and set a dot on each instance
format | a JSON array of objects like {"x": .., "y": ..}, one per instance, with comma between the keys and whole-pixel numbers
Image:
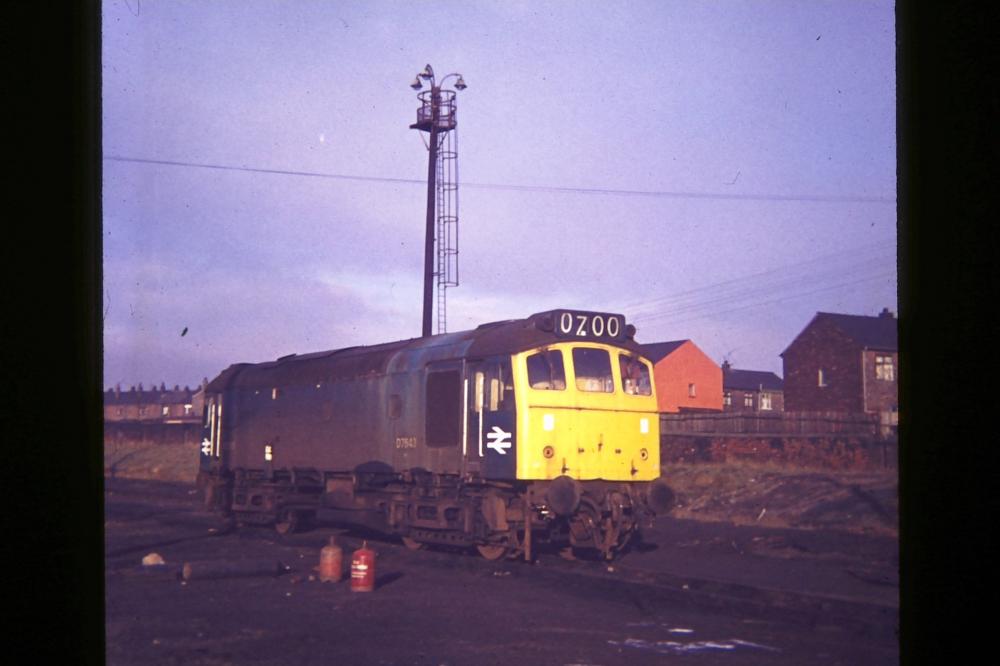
[
  {"x": 655, "y": 351},
  {"x": 148, "y": 397},
  {"x": 869, "y": 332},
  {"x": 751, "y": 380}
]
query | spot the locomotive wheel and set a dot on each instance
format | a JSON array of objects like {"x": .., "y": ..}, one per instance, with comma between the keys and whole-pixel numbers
[
  {"x": 287, "y": 523},
  {"x": 491, "y": 552},
  {"x": 412, "y": 544}
]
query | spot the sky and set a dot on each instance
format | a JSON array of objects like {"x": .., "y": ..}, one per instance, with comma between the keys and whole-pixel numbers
[{"x": 715, "y": 171}]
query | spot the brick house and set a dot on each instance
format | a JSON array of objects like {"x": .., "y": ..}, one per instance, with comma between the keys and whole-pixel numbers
[
  {"x": 156, "y": 405},
  {"x": 686, "y": 379},
  {"x": 751, "y": 390},
  {"x": 844, "y": 363}
]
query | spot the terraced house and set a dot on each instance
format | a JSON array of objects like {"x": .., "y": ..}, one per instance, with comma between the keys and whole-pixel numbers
[
  {"x": 751, "y": 390},
  {"x": 844, "y": 363}
]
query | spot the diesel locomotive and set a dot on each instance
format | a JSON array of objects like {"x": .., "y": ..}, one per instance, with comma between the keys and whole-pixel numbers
[{"x": 543, "y": 429}]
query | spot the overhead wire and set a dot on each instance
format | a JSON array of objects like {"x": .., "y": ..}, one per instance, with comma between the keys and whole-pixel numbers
[
  {"x": 742, "y": 279},
  {"x": 729, "y": 291},
  {"x": 842, "y": 285},
  {"x": 708, "y": 304},
  {"x": 749, "y": 288},
  {"x": 722, "y": 196}
]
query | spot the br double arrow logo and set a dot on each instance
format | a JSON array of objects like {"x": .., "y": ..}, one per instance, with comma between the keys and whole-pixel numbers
[{"x": 499, "y": 440}]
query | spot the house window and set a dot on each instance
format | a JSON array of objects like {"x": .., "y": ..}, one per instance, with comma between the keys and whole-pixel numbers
[
  {"x": 142, "y": 411},
  {"x": 765, "y": 401},
  {"x": 884, "y": 368},
  {"x": 727, "y": 399},
  {"x": 121, "y": 412},
  {"x": 691, "y": 391},
  {"x": 748, "y": 400},
  {"x": 166, "y": 410},
  {"x": 187, "y": 410},
  {"x": 821, "y": 378}
]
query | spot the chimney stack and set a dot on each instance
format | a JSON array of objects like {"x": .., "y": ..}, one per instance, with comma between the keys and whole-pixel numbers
[{"x": 886, "y": 314}]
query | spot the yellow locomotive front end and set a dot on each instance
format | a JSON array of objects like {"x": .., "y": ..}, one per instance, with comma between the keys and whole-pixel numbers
[
  {"x": 587, "y": 431},
  {"x": 588, "y": 411}
]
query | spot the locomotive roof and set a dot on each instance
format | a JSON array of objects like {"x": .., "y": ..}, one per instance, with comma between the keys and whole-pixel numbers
[{"x": 503, "y": 337}]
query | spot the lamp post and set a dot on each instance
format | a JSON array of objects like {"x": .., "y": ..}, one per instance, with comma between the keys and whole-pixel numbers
[{"x": 436, "y": 115}]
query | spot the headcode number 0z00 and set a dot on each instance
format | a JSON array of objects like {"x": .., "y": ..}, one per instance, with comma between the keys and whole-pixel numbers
[{"x": 589, "y": 325}]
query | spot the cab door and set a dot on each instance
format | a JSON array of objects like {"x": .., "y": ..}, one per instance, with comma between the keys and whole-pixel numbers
[
  {"x": 443, "y": 417},
  {"x": 491, "y": 419}
]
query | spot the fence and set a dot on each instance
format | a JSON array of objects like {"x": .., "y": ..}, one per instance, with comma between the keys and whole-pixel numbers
[
  {"x": 119, "y": 433},
  {"x": 778, "y": 424},
  {"x": 825, "y": 440}
]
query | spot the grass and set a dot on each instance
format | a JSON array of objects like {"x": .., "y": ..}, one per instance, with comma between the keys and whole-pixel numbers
[
  {"x": 159, "y": 462},
  {"x": 741, "y": 493}
]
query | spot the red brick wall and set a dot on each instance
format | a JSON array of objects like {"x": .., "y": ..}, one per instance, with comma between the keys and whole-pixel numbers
[
  {"x": 822, "y": 345},
  {"x": 881, "y": 395},
  {"x": 688, "y": 365}
]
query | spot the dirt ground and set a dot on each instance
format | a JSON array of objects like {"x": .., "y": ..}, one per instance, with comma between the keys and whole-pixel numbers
[
  {"x": 699, "y": 592},
  {"x": 747, "y": 494},
  {"x": 743, "y": 493}
]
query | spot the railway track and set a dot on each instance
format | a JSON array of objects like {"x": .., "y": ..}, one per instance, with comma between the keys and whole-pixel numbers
[{"x": 177, "y": 509}]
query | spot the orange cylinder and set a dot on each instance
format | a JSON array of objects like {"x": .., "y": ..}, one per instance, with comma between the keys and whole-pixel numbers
[
  {"x": 363, "y": 569},
  {"x": 331, "y": 562}
]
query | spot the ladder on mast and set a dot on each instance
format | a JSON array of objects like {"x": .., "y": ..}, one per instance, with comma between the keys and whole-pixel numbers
[{"x": 446, "y": 210}]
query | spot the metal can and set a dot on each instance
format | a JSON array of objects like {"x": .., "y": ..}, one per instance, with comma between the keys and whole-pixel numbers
[
  {"x": 331, "y": 562},
  {"x": 363, "y": 569}
]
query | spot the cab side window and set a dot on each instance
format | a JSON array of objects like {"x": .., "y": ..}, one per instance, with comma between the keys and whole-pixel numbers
[
  {"x": 635, "y": 375},
  {"x": 501, "y": 387},
  {"x": 545, "y": 371},
  {"x": 493, "y": 388}
]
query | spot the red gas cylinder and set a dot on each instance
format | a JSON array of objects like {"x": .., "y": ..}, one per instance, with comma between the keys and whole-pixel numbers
[
  {"x": 331, "y": 562},
  {"x": 363, "y": 569}
]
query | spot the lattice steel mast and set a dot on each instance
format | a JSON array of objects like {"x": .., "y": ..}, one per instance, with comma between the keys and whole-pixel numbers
[{"x": 436, "y": 116}]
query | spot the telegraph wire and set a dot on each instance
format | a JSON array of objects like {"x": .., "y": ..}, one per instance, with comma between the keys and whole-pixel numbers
[
  {"x": 719, "y": 196},
  {"x": 742, "y": 279},
  {"x": 280, "y": 172},
  {"x": 763, "y": 303},
  {"x": 752, "y": 290},
  {"x": 675, "y": 300},
  {"x": 737, "y": 292}
]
